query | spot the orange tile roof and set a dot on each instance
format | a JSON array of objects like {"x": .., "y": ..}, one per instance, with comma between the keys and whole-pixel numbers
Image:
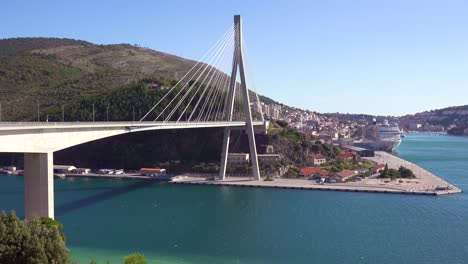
[
  {"x": 314, "y": 171},
  {"x": 150, "y": 169},
  {"x": 310, "y": 171},
  {"x": 346, "y": 173},
  {"x": 318, "y": 156},
  {"x": 379, "y": 166}
]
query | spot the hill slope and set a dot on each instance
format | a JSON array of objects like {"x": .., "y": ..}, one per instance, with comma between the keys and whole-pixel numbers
[
  {"x": 57, "y": 71},
  {"x": 454, "y": 118}
]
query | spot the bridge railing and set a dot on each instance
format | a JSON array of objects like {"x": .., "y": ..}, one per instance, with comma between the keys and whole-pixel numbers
[{"x": 112, "y": 123}]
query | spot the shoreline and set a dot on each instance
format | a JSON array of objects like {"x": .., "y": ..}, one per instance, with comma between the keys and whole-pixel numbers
[{"x": 425, "y": 183}]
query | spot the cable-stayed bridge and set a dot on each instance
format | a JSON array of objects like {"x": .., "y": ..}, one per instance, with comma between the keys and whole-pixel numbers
[{"x": 215, "y": 92}]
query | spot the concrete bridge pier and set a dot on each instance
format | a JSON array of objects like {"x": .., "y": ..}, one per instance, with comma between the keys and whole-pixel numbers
[{"x": 39, "y": 185}]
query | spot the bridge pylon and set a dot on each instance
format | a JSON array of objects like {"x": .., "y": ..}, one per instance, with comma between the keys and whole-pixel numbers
[{"x": 238, "y": 66}]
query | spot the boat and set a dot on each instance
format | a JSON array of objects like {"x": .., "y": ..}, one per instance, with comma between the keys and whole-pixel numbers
[
  {"x": 178, "y": 178},
  {"x": 382, "y": 137}
]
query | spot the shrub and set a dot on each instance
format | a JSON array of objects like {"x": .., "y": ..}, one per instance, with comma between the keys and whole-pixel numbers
[
  {"x": 35, "y": 241},
  {"x": 135, "y": 258}
]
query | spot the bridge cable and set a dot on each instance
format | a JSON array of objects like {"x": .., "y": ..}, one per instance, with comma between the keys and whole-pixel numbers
[
  {"x": 200, "y": 115},
  {"x": 193, "y": 82},
  {"x": 207, "y": 65},
  {"x": 203, "y": 86},
  {"x": 193, "y": 67},
  {"x": 187, "y": 83},
  {"x": 210, "y": 87}
]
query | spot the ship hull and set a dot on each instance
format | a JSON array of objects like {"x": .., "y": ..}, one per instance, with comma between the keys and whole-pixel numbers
[{"x": 381, "y": 145}]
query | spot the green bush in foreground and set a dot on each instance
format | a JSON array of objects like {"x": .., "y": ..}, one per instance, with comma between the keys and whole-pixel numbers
[
  {"x": 36, "y": 241},
  {"x": 135, "y": 258}
]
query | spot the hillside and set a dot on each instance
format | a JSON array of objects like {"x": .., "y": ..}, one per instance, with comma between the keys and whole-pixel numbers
[
  {"x": 75, "y": 75},
  {"x": 58, "y": 71},
  {"x": 454, "y": 119}
]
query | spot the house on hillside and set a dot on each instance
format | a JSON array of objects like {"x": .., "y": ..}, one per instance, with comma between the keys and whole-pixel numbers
[
  {"x": 316, "y": 159},
  {"x": 267, "y": 159},
  {"x": 308, "y": 172},
  {"x": 314, "y": 172},
  {"x": 349, "y": 156}
]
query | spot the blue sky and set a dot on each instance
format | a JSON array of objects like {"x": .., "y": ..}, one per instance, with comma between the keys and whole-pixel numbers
[{"x": 377, "y": 57}]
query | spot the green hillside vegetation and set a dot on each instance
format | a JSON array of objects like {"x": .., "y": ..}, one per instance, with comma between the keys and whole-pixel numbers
[
  {"x": 295, "y": 146},
  {"x": 119, "y": 104},
  {"x": 56, "y": 72},
  {"x": 59, "y": 71}
]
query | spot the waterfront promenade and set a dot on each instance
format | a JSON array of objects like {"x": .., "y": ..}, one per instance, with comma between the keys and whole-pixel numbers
[{"x": 425, "y": 182}]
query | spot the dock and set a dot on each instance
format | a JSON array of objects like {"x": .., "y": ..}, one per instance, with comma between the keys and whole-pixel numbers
[{"x": 425, "y": 183}]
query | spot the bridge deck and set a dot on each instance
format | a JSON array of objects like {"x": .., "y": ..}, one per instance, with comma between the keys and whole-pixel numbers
[{"x": 127, "y": 124}]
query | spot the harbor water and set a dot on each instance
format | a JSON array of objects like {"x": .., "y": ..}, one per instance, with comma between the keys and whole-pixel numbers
[{"x": 108, "y": 219}]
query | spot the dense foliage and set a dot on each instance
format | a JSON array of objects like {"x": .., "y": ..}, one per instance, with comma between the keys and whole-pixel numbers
[
  {"x": 36, "y": 241},
  {"x": 402, "y": 172},
  {"x": 340, "y": 165}
]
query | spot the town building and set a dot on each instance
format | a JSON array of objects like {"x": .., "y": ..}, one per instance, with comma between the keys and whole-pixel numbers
[
  {"x": 63, "y": 169},
  {"x": 238, "y": 158},
  {"x": 267, "y": 159},
  {"x": 82, "y": 171},
  {"x": 362, "y": 152},
  {"x": 349, "y": 156},
  {"x": 378, "y": 168},
  {"x": 341, "y": 176},
  {"x": 317, "y": 159},
  {"x": 152, "y": 171},
  {"x": 314, "y": 172}
]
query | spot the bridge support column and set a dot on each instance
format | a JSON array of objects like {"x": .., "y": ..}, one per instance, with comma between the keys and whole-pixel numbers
[
  {"x": 225, "y": 153},
  {"x": 238, "y": 65},
  {"x": 39, "y": 185}
]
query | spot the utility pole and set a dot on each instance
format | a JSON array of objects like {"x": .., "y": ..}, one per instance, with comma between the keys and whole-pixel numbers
[
  {"x": 133, "y": 114},
  {"x": 107, "y": 113},
  {"x": 63, "y": 113},
  {"x": 0, "y": 112},
  {"x": 38, "y": 113},
  {"x": 93, "y": 113}
]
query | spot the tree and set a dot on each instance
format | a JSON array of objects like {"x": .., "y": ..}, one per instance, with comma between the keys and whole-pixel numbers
[
  {"x": 30, "y": 242},
  {"x": 282, "y": 123},
  {"x": 406, "y": 173},
  {"x": 135, "y": 258}
]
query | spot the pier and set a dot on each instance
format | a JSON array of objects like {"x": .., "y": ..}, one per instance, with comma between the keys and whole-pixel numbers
[{"x": 425, "y": 183}]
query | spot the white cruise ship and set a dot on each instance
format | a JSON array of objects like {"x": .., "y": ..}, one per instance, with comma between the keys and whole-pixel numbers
[{"x": 386, "y": 137}]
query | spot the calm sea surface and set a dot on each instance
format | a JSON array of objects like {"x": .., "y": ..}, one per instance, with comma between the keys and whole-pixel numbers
[{"x": 108, "y": 219}]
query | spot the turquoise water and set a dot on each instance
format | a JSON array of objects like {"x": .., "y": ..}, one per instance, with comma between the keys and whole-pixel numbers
[{"x": 108, "y": 219}]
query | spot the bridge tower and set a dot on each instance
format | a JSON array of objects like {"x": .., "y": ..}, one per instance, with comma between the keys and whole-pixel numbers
[{"x": 238, "y": 65}]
